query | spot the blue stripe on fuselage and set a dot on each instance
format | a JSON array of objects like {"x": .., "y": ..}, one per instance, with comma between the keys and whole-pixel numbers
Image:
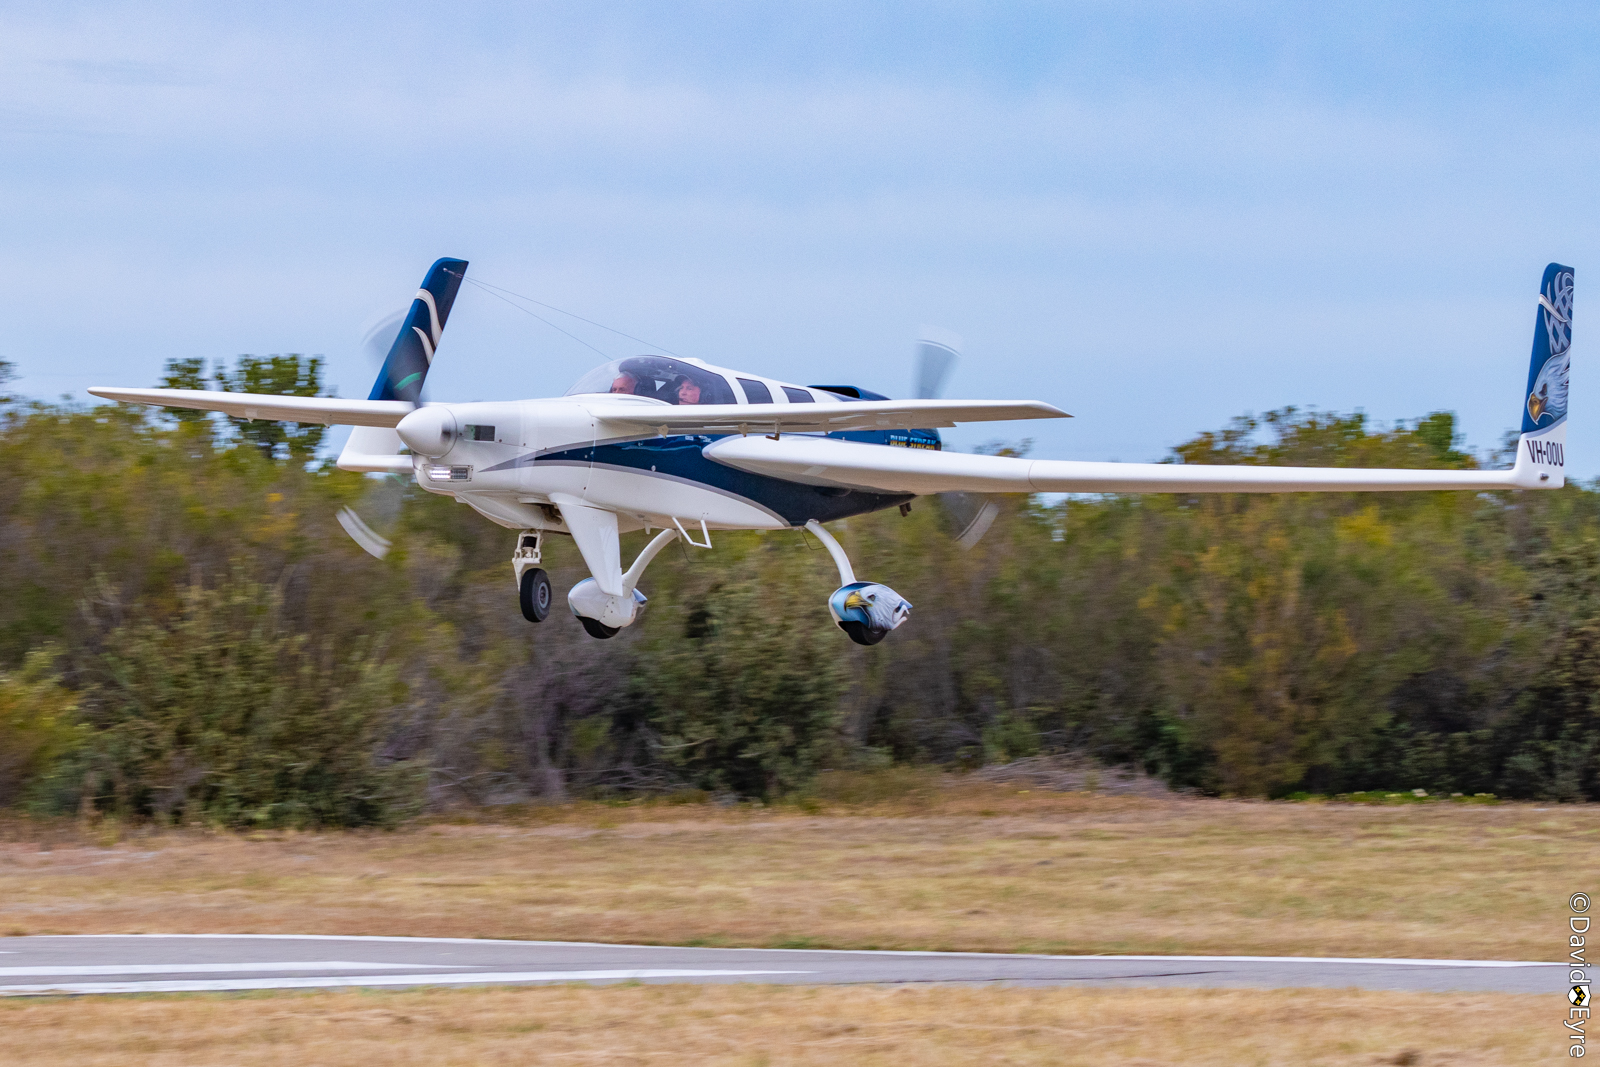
[{"x": 681, "y": 457}]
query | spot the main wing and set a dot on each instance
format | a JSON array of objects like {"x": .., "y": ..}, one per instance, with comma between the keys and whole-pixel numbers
[
  {"x": 825, "y": 417},
  {"x": 885, "y": 469},
  {"x": 822, "y": 461},
  {"x": 328, "y": 410},
  {"x": 645, "y": 414}
]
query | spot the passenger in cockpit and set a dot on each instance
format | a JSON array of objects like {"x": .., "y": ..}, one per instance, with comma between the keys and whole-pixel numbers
[
  {"x": 624, "y": 383},
  {"x": 688, "y": 391}
]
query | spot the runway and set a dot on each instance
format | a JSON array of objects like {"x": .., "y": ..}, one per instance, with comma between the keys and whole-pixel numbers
[{"x": 169, "y": 963}]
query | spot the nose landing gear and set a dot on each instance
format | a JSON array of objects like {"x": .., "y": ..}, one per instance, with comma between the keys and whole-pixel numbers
[
  {"x": 533, "y": 584},
  {"x": 866, "y": 611}
]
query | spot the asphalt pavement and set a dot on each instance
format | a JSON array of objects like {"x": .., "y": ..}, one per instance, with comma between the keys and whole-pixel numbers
[{"x": 155, "y": 963}]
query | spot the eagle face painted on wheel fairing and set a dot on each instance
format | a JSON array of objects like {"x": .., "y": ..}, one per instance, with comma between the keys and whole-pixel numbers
[{"x": 875, "y": 606}]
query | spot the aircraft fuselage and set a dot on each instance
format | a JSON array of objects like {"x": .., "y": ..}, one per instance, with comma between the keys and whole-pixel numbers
[{"x": 506, "y": 459}]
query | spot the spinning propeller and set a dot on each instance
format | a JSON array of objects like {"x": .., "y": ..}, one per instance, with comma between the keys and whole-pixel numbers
[
  {"x": 968, "y": 515},
  {"x": 403, "y": 342},
  {"x": 382, "y": 503}
]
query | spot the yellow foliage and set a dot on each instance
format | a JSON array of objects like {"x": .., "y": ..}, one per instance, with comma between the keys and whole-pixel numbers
[
  {"x": 36, "y": 721},
  {"x": 1366, "y": 527}
]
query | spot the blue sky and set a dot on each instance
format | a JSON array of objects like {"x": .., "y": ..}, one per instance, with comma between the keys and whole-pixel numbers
[{"x": 1156, "y": 216}]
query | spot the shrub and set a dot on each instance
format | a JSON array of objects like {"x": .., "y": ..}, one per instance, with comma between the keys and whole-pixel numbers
[
  {"x": 223, "y": 715},
  {"x": 38, "y": 725}
]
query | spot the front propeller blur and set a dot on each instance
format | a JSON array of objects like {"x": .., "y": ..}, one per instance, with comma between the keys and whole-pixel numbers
[{"x": 381, "y": 501}]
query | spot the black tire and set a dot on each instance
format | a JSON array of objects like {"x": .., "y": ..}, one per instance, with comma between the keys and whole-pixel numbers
[
  {"x": 536, "y": 595},
  {"x": 863, "y": 634},
  {"x": 597, "y": 629}
]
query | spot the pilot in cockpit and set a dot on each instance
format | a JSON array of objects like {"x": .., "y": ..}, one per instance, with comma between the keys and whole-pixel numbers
[
  {"x": 688, "y": 391},
  {"x": 624, "y": 383}
]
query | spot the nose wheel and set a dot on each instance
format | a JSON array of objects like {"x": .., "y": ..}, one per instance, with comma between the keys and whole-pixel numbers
[
  {"x": 533, "y": 584},
  {"x": 535, "y": 594}
]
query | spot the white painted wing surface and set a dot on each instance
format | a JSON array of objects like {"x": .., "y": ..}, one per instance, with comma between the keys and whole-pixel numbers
[
  {"x": 328, "y": 410},
  {"x": 886, "y": 469},
  {"x": 824, "y": 416}
]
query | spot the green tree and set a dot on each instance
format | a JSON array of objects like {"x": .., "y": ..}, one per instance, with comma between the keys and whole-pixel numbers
[
  {"x": 290, "y": 375},
  {"x": 741, "y": 693},
  {"x": 186, "y": 374}
]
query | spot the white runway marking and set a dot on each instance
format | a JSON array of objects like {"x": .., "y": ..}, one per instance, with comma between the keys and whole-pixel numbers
[
  {"x": 216, "y": 968},
  {"x": 476, "y": 978},
  {"x": 1323, "y": 959},
  {"x": 1385, "y": 960},
  {"x": 185, "y": 963}
]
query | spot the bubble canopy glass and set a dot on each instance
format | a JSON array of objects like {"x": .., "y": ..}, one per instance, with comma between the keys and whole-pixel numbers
[{"x": 658, "y": 377}]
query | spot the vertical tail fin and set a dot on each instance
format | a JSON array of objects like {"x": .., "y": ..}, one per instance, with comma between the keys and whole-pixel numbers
[
  {"x": 407, "y": 364},
  {"x": 376, "y": 448},
  {"x": 1541, "y": 452}
]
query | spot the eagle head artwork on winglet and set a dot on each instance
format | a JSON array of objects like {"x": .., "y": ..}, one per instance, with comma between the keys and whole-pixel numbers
[{"x": 1547, "y": 398}]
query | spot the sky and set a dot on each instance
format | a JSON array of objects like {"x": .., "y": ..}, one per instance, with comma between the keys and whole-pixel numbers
[{"x": 1157, "y": 216}]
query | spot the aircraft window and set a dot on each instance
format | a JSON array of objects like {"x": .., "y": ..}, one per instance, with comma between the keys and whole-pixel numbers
[
  {"x": 671, "y": 380},
  {"x": 756, "y": 392},
  {"x": 478, "y": 433},
  {"x": 798, "y": 396}
]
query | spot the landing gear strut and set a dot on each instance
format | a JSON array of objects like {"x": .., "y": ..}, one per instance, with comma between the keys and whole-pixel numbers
[
  {"x": 610, "y": 600},
  {"x": 866, "y": 611}
]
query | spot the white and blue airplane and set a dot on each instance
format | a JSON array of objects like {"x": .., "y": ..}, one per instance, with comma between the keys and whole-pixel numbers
[{"x": 680, "y": 446}]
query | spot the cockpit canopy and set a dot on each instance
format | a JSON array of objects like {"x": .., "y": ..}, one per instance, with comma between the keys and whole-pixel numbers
[{"x": 659, "y": 377}]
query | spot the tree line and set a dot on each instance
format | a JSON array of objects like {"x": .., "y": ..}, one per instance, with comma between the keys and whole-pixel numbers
[{"x": 186, "y": 634}]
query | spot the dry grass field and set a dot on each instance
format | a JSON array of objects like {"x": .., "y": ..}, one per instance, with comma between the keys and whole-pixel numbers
[
  {"x": 976, "y": 867},
  {"x": 773, "y": 1025}
]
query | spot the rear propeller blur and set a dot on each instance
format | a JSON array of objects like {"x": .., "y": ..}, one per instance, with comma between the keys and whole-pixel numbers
[{"x": 967, "y": 516}]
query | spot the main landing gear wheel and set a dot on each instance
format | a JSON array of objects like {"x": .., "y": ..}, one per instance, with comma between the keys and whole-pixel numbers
[
  {"x": 597, "y": 629},
  {"x": 535, "y": 595},
  {"x": 862, "y": 634}
]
